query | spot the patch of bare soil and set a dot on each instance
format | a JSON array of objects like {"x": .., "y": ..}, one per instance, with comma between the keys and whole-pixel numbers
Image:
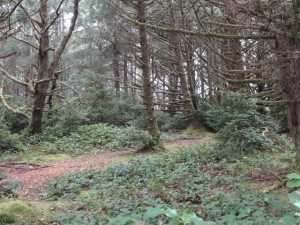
[{"x": 34, "y": 177}]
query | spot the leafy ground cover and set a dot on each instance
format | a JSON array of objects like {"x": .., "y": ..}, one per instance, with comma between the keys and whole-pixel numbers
[
  {"x": 188, "y": 181},
  {"x": 186, "y": 185}
]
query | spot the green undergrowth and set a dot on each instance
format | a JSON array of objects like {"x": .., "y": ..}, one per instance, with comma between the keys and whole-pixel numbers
[
  {"x": 188, "y": 181},
  {"x": 20, "y": 212},
  {"x": 87, "y": 138}
]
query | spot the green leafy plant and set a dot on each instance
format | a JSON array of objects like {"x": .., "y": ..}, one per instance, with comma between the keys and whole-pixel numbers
[
  {"x": 9, "y": 142},
  {"x": 8, "y": 188},
  {"x": 182, "y": 180},
  {"x": 294, "y": 182},
  {"x": 173, "y": 217},
  {"x": 239, "y": 123},
  {"x": 98, "y": 136}
]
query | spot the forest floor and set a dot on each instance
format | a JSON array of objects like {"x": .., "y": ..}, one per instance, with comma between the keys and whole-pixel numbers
[
  {"x": 35, "y": 172},
  {"x": 34, "y": 176}
]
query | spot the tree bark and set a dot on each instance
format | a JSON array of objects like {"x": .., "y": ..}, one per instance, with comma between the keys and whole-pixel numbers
[
  {"x": 46, "y": 67},
  {"x": 147, "y": 83},
  {"x": 116, "y": 68},
  {"x": 186, "y": 95},
  {"x": 289, "y": 62},
  {"x": 40, "y": 92}
]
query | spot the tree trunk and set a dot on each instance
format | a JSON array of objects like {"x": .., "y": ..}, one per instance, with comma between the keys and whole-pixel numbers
[
  {"x": 46, "y": 67},
  {"x": 40, "y": 91},
  {"x": 147, "y": 84},
  {"x": 289, "y": 62},
  {"x": 125, "y": 77},
  {"x": 116, "y": 68},
  {"x": 175, "y": 39}
]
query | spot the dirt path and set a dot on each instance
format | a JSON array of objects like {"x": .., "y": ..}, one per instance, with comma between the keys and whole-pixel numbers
[{"x": 34, "y": 177}]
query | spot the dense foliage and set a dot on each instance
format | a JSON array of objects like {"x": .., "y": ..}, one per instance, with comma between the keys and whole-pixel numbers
[
  {"x": 242, "y": 128},
  {"x": 93, "y": 137}
]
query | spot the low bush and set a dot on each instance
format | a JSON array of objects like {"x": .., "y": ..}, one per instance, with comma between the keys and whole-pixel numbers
[
  {"x": 118, "y": 113},
  {"x": 241, "y": 127},
  {"x": 7, "y": 188},
  {"x": 9, "y": 142},
  {"x": 166, "y": 122},
  {"x": 61, "y": 120},
  {"x": 98, "y": 136}
]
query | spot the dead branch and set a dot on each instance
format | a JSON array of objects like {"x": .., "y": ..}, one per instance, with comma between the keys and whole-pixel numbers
[{"x": 15, "y": 111}]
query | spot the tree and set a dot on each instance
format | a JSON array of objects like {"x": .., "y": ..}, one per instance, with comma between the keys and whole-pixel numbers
[
  {"x": 146, "y": 76},
  {"x": 47, "y": 63}
]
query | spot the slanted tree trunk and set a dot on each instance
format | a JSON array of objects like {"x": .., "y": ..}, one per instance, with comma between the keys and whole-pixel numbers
[{"x": 147, "y": 84}]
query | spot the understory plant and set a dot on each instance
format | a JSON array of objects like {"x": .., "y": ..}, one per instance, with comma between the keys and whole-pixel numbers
[
  {"x": 179, "y": 181},
  {"x": 8, "y": 142},
  {"x": 7, "y": 187},
  {"x": 96, "y": 137},
  {"x": 242, "y": 128}
]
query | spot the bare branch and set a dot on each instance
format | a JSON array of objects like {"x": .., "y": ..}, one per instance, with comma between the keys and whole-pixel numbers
[
  {"x": 15, "y": 111},
  {"x": 14, "y": 78},
  {"x": 26, "y": 42},
  {"x": 59, "y": 50},
  {"x": 199, "y": 33},
  {"x": 8, "y": 55},
  {"x": 78, "y": 96}
]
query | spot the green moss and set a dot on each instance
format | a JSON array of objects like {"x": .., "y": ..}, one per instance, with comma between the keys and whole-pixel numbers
[{"x": 34, "y": 212}]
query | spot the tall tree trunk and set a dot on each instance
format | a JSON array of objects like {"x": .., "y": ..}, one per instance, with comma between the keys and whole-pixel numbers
[
  {"x": 125, "y": 77},
  {"x": 147, "y": 83},
  {"x": 175, "y": 39},
  {"x": 290, "y": 73},
  {"x": 35, "y": 125},
  {"x": 116, "y": 68},
  {"x": 46, "y": 67}
]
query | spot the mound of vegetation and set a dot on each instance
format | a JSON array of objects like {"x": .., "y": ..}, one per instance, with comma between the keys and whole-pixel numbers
[
  {"x": 242, "y": 128},
  {"x": 97, "y": 136},
  {"x": 147, "y": 190}
]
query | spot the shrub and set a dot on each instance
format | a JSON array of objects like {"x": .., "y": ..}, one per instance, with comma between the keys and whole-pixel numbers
[
  {"x": 8, "y": 141},
  {"x": 239, "y": 123},
  {"x": 116, "y": 112},
  {"x": 100, "y": 136},
  {"x": 61, "y": 120},
  {"x": 166, "y": 122},
  {"x": 7, "y": 188}
]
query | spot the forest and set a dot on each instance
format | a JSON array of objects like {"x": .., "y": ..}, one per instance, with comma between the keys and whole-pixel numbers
[{"x": 137, "y": 112}]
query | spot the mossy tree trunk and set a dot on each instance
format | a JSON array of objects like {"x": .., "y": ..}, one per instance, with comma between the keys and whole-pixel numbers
[
  {"x": 46, "y": 67},
  {"x": 290, "y": 72},
  {"x": 147, "y": 83},
  {"x": 40, "y": 90},
  {"x": 185, "y": 91}
]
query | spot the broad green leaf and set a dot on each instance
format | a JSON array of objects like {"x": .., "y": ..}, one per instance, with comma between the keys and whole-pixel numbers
[
  {"x": 295, "y": 199},
  {"x": 293, "y": 183},
  {"x": 293, "y": 176},
  {"x": 290, "y": 220},
  {"x": 186, "y": 218},
  {"x": 171, "y": 213},
  {"x": 153, "y": 212},
  {"x": 120, "y": 220}
]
